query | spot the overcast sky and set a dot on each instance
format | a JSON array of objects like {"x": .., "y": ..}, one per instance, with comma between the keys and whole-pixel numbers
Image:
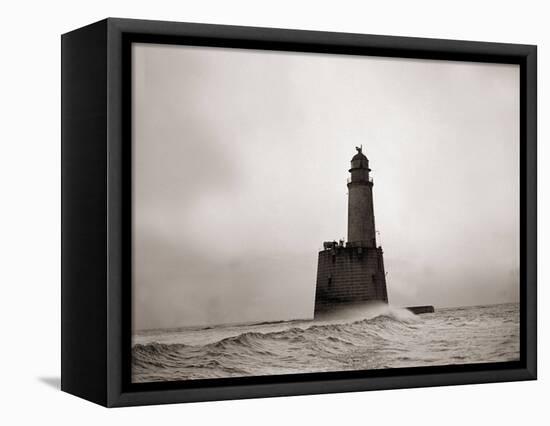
[{"x": 240, "y": 160}]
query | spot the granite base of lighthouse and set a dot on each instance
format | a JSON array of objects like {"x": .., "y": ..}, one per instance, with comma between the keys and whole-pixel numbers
[{"x": 349, "y": 275}]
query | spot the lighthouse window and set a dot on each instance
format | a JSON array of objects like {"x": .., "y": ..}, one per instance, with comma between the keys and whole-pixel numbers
[{"x": 330, "y": 283}]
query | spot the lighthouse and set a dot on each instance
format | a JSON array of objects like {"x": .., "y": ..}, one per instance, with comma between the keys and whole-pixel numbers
[
  {"x": 361, "y": 231},
  {"x": 353, "y": 272}
]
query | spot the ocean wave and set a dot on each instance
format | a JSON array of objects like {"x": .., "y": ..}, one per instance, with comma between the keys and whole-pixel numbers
[
  {"x": 380, "y": 338},
  {"x": 294, "y": 333}
]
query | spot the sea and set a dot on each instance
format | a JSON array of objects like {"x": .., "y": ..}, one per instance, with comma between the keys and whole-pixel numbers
[{"x": 357, "y": 338}]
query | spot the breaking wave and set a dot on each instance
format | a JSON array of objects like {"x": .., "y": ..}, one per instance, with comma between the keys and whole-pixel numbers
[{"x": 381, "y": 337}]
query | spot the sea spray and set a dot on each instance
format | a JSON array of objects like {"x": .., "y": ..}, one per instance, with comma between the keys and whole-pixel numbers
[{"x": 358, "y": 311}]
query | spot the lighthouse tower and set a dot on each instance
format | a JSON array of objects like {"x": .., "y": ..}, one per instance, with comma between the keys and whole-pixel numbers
[
  {"x": 353, "y": 271},
  {"x": 361, "y": 231}
]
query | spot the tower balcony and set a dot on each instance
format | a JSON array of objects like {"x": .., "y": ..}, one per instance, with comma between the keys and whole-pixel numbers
[{"x": 351, "y": 180}]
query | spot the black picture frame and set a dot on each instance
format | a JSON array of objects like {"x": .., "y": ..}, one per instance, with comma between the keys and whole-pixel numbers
[{"x": 96, "y": 211}]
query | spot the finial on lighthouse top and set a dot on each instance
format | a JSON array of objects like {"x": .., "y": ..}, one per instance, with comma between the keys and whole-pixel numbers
[
  {"x": 359, "y": 160},
  {"x": 359, "y": 155}
]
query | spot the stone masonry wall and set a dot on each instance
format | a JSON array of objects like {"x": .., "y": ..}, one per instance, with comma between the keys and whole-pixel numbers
[
  {"x": 361, "y": 214},
  {"x": 349, "y": 275}
]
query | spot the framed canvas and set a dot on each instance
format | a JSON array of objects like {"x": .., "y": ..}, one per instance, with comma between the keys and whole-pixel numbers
[{"x": 223, "y": 236}]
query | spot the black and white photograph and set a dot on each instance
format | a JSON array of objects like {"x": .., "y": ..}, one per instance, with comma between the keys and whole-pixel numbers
[
  {"x": 275, "y": 213},
  {"x": 298, "y": 212}
]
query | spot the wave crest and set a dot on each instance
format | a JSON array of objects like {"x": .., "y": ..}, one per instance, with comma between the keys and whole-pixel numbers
[{"x": 349, "y": 333}]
